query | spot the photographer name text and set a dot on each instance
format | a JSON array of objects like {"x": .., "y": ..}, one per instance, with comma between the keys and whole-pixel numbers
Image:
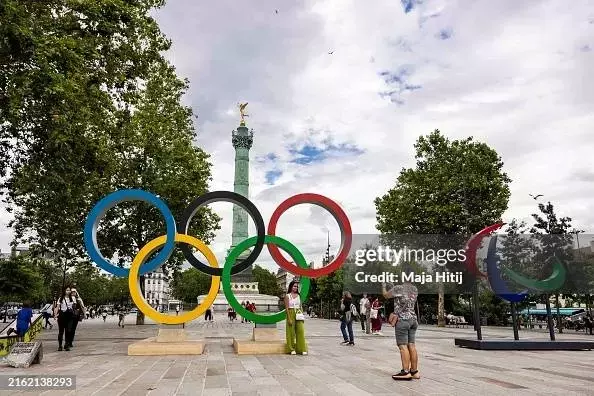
[{"x": 412, "y": 277}]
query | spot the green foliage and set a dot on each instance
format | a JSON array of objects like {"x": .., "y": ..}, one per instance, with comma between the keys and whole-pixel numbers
[
  {"x": 65, "y": 65},
  {"x": 156, "y": 153},
  {"x": 267, "y": 283},
  {"x": 21, "y": 280},
  {"x": 457, "y": 187},
  {"x": 517, "y": 251},
  {"x": 90, "y": 106},
  {"x": 495, "y": 309},
  {"x": 189, "y": 284},
  {"x": 554, "y": 237},
  {"x": 330, "y": 287}
]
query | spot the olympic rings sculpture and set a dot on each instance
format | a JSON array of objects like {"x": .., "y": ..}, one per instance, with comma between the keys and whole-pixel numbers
[{"x": 176, "y": 233}]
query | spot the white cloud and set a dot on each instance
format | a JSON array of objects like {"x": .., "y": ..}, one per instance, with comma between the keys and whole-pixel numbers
[{"x": 513, "y": 74}]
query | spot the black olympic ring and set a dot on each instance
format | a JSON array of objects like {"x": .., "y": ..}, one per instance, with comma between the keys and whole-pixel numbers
[{"x": 226, "y": 196}]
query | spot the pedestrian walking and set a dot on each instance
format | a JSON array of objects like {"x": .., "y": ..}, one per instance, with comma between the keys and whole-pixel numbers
[
  {"x": 295, "y": 321},
  {"x": 231, "y": 314},
  {"x": 248, "y": 306},
  {"x": 588, "y": 323},
  {"x": 79, "y": 312},
  {"x": 348, "y": 313},
  {"x": 208, "y": 315},
  {"x": 405, "y": 298},
  {"x": 364, "y": 307},
  {"x": 177, "y": 310},
  {"x": 64, "y": 312},
  {"x": 121, "y": 317},
  {"x": 47, "y": 314},
  {"x": 376, "y": 318},
  {"x": 104, "y": 314}
]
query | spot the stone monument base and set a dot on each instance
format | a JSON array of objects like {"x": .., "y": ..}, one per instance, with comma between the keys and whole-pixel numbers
[
  {"x": 167, "y": 342},
  {"x": 524, "y": 345},
  {"x": 265, "y": 341},
  {"x": 24, "y": 354}
]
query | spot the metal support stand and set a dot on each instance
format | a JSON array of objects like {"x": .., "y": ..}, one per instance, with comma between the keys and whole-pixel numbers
[
  {"x": 550, "y": 317},
  {"x": 477, "y": 315},
  {"x": 515, "y": 321}
]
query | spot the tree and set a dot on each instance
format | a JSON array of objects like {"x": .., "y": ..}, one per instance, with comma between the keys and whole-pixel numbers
[
  {"x": 457, "y": 187},
  {"x": 555, "y": 239},
  {"x": 156, "y": 153},
  {"x": 118, "y": 291},
  {"x": 20, "y": 280},
  {"x": 493, "y": 308},
  {"x": 267, "y": 283},
  {"x": 189, "y": 284},
  {"x": 94, "y": 107},
  {"x": 66, "y": 65},
  {"x": 330, "y": 288}
]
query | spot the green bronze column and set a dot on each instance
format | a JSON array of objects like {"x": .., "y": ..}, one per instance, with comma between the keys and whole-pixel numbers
[{"x": 242, "y": 142}]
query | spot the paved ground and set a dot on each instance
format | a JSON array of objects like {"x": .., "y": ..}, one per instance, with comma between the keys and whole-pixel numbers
[{"x": 102, "y": 367}]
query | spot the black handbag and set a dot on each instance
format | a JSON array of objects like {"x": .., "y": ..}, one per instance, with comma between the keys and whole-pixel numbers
[{"x": 79, "y": 313}]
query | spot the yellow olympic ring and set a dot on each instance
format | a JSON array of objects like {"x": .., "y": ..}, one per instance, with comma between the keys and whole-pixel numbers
[{"x": 134, "y": 281}]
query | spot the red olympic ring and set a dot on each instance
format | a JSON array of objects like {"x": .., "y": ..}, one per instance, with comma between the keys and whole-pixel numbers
[
  {"x": 346, "y": 234},
  {"x": 472, "y": 246}
]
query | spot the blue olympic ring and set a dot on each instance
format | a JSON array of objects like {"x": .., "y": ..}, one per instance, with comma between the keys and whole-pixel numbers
[
  {"x": 108, "y": 202},
  {"x": 498, "y": 285}
]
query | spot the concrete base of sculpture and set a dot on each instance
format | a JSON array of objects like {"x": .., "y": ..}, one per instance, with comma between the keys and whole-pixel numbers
[
  {"x": 167, "y": 342},
  {"x": 265, "y": 341},
  {"x": 524, "y": 345}
]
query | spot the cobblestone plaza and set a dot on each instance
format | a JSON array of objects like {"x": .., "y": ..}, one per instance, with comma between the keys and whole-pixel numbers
[{"x": 102, "y": 366}]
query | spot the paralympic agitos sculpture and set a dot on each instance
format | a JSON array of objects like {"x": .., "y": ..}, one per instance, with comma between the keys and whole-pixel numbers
[
  {"x": 176, "y": 233},
  {"x": 498, "y": 284}
]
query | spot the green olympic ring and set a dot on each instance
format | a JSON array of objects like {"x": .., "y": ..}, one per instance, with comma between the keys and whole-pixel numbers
[
  {"x": 288, "y": 247},
  {"x": 553, "y": 282}
]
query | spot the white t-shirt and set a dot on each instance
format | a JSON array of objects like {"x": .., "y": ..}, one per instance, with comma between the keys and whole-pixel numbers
[
  {"x": 364, "y": 301},
  {"x": 66, "y": 303},
  {"x": 294, "y": 302}
]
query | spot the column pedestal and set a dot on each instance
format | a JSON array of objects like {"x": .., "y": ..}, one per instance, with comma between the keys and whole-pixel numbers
[
  {"x": 265, "y": 341},
  {"x": 170, "y": 340}
]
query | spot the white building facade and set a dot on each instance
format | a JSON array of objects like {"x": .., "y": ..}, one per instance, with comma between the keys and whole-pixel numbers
[{"x": 156, "y": 290}]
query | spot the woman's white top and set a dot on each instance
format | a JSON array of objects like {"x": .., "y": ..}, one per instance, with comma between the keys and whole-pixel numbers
[
  {"x": 66, "y": 304},
  {"x": 294, "y": 302}
]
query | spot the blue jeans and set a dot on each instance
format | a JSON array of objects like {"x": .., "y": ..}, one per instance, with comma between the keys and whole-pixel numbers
[{"x": 343, "y": 326}]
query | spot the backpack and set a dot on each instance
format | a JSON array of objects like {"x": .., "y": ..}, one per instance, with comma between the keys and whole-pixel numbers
[{"x": 352, "y": 314}]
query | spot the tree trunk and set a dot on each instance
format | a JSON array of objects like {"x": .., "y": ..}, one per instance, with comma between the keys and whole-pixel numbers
[
  {"x": 441, "y": 307},
  {"x": 139, "y": 314}
]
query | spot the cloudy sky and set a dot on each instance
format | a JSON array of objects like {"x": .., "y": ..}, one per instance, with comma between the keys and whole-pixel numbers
[{"x": 339, "y": 91}]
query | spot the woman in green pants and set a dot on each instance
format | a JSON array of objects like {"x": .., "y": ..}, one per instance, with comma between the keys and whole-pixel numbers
[{"x": 295, "y": 329}]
